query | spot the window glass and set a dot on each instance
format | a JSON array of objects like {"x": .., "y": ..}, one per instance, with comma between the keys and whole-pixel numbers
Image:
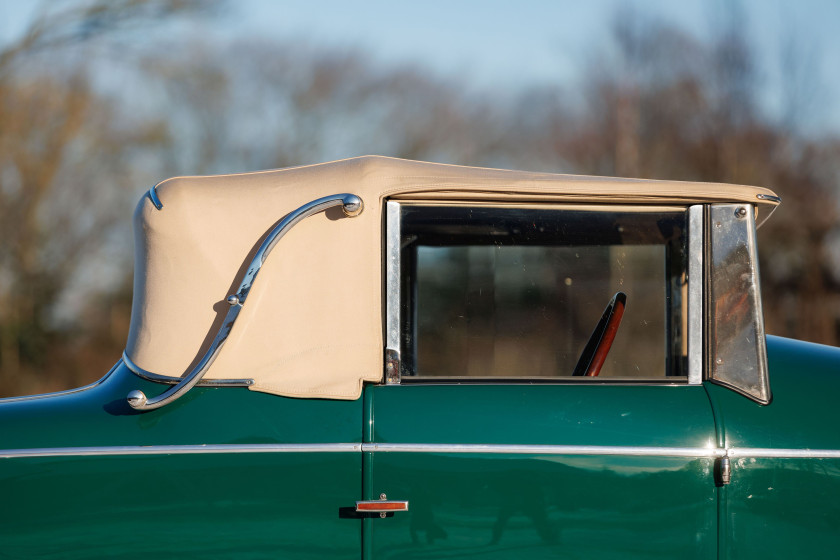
[
  {"x": 517, "y": 292},
  {"x": 737, "y": 331}
]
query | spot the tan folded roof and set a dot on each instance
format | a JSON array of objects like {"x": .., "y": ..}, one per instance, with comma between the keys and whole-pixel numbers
[{"x": 312, "y": 324}]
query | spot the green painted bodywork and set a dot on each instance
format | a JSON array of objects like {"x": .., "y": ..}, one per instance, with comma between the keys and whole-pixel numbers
[
  {"x": 462, "y": 505},
  {"x": 100, "y": 416},
  {"x": 784, "y": 507},
  {"x": 544, "y": 506},
  {"x": 803, "y": 412},
  {"x": 173, "y": 506}
]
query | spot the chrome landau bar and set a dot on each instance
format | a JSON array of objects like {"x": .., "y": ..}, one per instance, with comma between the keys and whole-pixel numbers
[{"x": 351, "y": 205}]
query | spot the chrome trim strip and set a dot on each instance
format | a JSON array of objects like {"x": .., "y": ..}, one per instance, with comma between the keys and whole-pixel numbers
[
  {"x": 351, "y": 205},
  {"x": 777, "y": 199},
  {"x": 598, "y": 450},
  {"x": 153, "y": 196},
  {"x": 695, "y": 294},
  {"x": 61, "y": 393},
  {"x": 181, "y": 450},
  {"x": 763, "y": 453},
  {"x": 149, "y": 376},
  {"x": 545, "y": 449},
  {"x": 392, "y": 292},
  {"x": 632, "y": 451}
]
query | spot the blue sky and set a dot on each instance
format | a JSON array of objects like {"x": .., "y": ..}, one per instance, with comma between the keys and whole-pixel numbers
[{"x": 503, "y": 45}]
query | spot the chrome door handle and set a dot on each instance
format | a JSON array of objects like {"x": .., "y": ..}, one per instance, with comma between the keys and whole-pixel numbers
[{"x": 383, "y": 506}]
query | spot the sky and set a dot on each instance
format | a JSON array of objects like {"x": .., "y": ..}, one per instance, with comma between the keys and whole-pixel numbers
[{"x": 506, "y": 45}]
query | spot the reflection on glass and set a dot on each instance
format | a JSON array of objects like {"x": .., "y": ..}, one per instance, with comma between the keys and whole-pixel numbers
[
  {"x": 517, "y": 293},
  {"x": 737, "y": 330}
]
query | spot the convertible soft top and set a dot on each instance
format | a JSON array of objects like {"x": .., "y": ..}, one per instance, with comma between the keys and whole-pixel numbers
[{"x": 313, "y": 322}]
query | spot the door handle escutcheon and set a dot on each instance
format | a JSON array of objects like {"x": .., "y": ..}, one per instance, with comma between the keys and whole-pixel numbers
[{"x": 381, "y": 506}]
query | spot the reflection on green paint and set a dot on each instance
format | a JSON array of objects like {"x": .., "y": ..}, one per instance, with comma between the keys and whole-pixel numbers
[
  {"x": 245, "y": 505},
  {"x": 545, "y": 506}
]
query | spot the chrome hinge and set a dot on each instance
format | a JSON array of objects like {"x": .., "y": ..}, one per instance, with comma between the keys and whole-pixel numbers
[
  {"x": 392, "y": 366},
  {"x": 723, "y": 471}
]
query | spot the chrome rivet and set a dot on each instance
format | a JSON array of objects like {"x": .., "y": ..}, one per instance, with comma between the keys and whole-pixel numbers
[
  {"x": 382, "y": 515},
  {"x": 741, "y": 212},
  {"x": 136, "y": 399},
  {"x": 233, "y": 300},
  {"x": 352, "y": 206},
  {"x": 383, "y": 497}
]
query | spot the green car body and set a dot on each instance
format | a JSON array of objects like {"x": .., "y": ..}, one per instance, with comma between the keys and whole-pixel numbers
[
  {"x": 492, "y": 467},
  {"x": 490, "y": 504}
]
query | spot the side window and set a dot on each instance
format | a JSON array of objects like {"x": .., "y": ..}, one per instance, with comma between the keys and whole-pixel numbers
[{"x": 516, "y": 292}]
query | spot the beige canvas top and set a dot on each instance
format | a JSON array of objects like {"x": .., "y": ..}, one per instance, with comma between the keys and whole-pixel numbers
[{"x": 313, "y": 322}]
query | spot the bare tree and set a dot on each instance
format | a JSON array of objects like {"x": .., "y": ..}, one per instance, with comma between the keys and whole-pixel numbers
[
  {"x": 664, "y": 104},
  {"x": 660, "y": 103},
  {"x": 64, "y": 169}
]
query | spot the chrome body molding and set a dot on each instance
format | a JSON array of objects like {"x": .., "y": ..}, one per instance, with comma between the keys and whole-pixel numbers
[
  {"x": 351, "y": 205},
  {"x": 627, "y": 451},
  {"x": 153, "y": 196},
  {"x": 764, "y": 453},
  {"x": 181, "y": 450},
  {"x": 149, "y": 376},
  {"x": 598, "y": 450},
  {"x": 633, "y": 451}
]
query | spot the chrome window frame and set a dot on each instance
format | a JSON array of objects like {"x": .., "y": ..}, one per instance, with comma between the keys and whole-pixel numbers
[
  {"x": 392, "y": 292},
  {"x": 696, "y": 283}
]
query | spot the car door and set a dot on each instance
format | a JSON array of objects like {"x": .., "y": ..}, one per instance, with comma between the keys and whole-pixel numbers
[{"x": 497, "y": 448}]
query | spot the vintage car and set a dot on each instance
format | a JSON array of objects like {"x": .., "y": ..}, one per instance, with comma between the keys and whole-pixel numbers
[{"x": 381, "y": 358}]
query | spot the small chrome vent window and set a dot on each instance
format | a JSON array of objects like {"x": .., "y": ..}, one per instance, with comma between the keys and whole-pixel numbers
[{"x": 738, "y": 353}]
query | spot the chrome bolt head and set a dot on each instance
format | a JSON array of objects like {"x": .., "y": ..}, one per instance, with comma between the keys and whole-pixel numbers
[
  {"x": 136, "y": 399},
  {"x": 233, "y": 300},
  {"x": 383, "y": 496},
  {"x": 741, "y": 212},
  {"x": 352, "y": 206}
]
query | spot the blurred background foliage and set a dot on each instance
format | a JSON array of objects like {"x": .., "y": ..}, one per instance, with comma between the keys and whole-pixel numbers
[{"x": 100, "y": 99}]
